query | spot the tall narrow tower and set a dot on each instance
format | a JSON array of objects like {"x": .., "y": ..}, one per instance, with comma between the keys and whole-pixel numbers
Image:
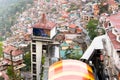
[{"x": 43, "y": 32}]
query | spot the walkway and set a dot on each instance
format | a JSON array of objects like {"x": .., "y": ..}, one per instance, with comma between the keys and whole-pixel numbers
[{"x": 96, "y": 44}]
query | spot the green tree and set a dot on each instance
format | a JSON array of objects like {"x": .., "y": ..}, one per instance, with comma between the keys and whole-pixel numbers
[
  {"x": 10, "y": 72},
  {"x": 92, "y": 28},
  {"x": 27, "y": 60},
  {"x": 73, "y": 53}
]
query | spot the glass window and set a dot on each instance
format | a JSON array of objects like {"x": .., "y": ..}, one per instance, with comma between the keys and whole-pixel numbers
[
  {"x": 34, "y": 77},
  {"x": 33, "y": 41},
  {"x": 34, "y": 68},
  {"x": 33, "y": 48},
  {"x": 109, "y": 24},
  {"x": 34, "y": 57}
]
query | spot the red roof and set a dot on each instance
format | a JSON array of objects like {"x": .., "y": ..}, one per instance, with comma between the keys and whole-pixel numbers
[
  {"x": 111, "y": 2},
  {"x": 65, "y": 14},
  {"x": 15, "y": 51},
  {"x": 48, "y": 25},
  {"x": 115, "y": 20},
  {"x": 79, "y": 30},
  {"x": 115, "y": 43},
  {"x": 72, "y": 26},
  {"x": 44, "y": 24}
]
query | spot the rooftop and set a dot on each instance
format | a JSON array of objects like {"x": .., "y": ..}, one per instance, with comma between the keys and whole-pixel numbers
[
  {"x": 115, "y": 43},
  {"x": 72, "y": 26},
  {"x": 115, "y": 19},
  {"x": 15, "y": 51},
  {"x": 45, "y": 24},
  {"x": 111, "y": 2}
]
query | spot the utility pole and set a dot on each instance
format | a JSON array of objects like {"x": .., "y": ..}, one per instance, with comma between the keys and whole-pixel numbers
[{"x": 14, "y": 76}]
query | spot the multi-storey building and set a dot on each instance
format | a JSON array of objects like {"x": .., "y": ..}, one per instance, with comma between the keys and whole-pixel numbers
[
  {"x": 112, "y": 44},
  {"x": 12, "y": 56},
  {"x": 109, "y": 44},
  {"x": 43, "y": 32}
]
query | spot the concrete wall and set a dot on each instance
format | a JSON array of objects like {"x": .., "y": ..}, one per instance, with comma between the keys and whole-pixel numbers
[
  {"x": 53, "y": 32},
  {"x": 38, "y": 59}
]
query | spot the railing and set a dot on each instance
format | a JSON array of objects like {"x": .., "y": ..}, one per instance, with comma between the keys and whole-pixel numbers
[{"x": 40, "y": 38}]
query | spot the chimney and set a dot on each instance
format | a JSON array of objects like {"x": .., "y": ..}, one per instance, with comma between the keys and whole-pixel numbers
[{"x": 43, "y": 20}]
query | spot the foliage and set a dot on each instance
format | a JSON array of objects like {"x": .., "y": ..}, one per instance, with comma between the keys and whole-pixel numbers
[
  {"x": 43, "y": 60},
  {"x": 1, "y": 49},
  {"x": 73, "y": 54},
  {"x": 1, "y": 38},
  {"x": 103, "y": 8},
  {"x": 13, "y": 75},
  {"x": 10, "y": 72},
  {"x": 8, "y": 10},
  {"x": 92, "y": 28},
  {"x": 1, "y": 78},
  {"x": 27, "y": 61},
  {"x": 42, "y": 69},
  {"x": 41, "y": 74},
  {"x": 119, "y": 6}
]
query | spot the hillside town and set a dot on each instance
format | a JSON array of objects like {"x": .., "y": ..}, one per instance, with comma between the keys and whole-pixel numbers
[{"x": 66, "y": 40}]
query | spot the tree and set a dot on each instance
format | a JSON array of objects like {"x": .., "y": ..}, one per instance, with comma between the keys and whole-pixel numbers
[
  {"x": 103, "y": 8},
  {"x": 27, "y": 60},
  {"x": 92, "y": 28},
  {"x": 9, "y": 71},
  {"x": 73, "y": 53}
]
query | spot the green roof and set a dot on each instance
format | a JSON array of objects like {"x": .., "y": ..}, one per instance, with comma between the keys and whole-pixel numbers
[{"x": 64, "y": 44}]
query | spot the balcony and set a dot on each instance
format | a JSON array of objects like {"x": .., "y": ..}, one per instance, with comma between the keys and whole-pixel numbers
[
  {"x": 43, "y": 34},
  {"x": 14, "y": 58}
]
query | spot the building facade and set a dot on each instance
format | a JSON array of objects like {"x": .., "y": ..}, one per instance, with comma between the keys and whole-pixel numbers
[{"x": 43, "y": 32}]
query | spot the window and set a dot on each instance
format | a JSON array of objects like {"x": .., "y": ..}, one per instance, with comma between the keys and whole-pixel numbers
[
  {"x": 34, "y": 57},
  {"x": 118, "y": 53},
  {"x": 109, "y": 24},
  {"x": 34, "y": 77},
  {"x": 118, "y": 38},
  {"x": 115, "y": 30},
  {"x": 33, "y": 48},
  {"x": 33, "y": 41},
  {"x": 34, "y": 68},
  {"x": 44, "y": 47}
]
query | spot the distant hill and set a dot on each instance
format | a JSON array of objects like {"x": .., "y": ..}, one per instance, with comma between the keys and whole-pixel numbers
[{"x": 8, "y": 9}]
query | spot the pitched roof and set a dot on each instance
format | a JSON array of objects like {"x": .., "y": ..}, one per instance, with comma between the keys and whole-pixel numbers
[
  {"x": 72, "y": 26},
  {"x": 115, "y": 43},
  {"x": 111, "y": 2},
  {"x": 79, "y": 30},
  {"x": 115, "y": 20},
  {"x": 65, "y": 14},
  {"x": 44, "y": 24},
  {"x": 14, "y": 50}
]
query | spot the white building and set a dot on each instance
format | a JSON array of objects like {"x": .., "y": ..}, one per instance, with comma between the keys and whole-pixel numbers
[{"x": 109, "y": 44}]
